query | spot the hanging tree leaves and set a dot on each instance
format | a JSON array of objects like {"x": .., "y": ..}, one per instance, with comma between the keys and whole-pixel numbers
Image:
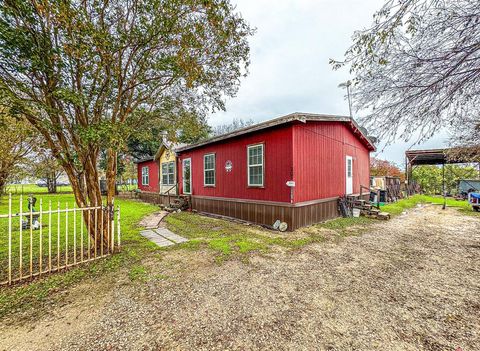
[
  {"x": 417, "y": 69},
  {"x": 88, "y": 74}
]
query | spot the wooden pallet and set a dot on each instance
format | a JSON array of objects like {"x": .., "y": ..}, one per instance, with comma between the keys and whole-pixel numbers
[{"x": 369, "y": 211}]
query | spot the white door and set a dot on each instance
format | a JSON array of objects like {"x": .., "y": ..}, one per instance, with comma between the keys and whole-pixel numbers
[
  {"x": 187, "y": 175},
  {"x": 348, "y": 175}
]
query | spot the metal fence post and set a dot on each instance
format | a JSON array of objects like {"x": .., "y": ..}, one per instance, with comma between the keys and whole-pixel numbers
[
  {"x": 58, "y": 235},
  {"x": 41, "y": 239},
  {"x": 74, "y": 233},
  {"x": 111, "y": 210},
  {"x": 118, "y": 227},
  {"x": 50, "y": 235},
  {"x": 20, "y": 264},
  {"x": 88, "y": 233},
  {"x": 66, "y": 234},
  {"x": 31, "y": 236},
  {"x": 96, "y": 231},
  {"x": 101, "y": 229},
  {"x": 10, "y": 238},
  {"x": 81, "y": 234}
]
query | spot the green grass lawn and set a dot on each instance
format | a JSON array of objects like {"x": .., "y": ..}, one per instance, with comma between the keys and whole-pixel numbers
[
  {"x": 133, "y": 248},
  {"x": 26, "y": 189}
]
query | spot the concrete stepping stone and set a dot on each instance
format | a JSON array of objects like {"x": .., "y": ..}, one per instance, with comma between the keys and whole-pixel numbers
[
  {"x": 170, "y": 236},
  {"x": 157, "y": 239},
  {"x": 162, "y": 236},
  {"x": 153, "y": 220}
]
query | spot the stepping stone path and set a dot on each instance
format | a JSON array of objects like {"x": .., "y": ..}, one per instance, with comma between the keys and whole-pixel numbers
[
  {"x": 156, "y": 231},
  {"x": 153, "y": 220}
]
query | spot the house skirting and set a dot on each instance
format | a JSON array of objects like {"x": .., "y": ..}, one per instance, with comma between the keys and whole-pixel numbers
[
  {"x": 155, "y": 198},
  {"x": 266, "y": 212}
]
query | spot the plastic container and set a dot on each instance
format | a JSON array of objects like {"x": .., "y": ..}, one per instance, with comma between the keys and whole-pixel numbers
[{"x": 356, "y": 212}]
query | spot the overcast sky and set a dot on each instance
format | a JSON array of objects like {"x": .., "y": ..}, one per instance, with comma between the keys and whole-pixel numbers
[{"x": 289, "y": 69}]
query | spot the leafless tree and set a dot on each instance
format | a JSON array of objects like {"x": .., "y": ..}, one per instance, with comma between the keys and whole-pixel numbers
[
  {"x": 417, "y": 70},
  {"x": 237, "y": 123}
]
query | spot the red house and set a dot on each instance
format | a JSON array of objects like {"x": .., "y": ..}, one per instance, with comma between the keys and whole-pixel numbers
[
  {"x": 291, "y": 169},
  {"x": 148, "y": 175}
]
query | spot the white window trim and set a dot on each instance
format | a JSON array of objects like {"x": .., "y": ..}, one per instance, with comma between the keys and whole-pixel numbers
[
  {"x": 161, "y": 171},
  {"x": 145, "y": 175},
  {"x": 348, "y": 178},
  {"x": 256, "y": 165},
  {"x": 209, "y": 169},
  {"x": 183, "y": 175}
]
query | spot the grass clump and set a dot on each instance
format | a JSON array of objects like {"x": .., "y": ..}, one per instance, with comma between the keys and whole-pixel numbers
[
  {"x": 138, "y": 273},
  {"x": 246, "y": 246},
  {"x": 221, "y": 245}
]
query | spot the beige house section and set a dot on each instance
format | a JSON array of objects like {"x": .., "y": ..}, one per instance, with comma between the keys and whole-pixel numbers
[{"x": 166, "y": 158}]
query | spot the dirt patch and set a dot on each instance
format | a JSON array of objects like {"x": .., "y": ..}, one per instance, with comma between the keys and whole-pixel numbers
[{"x": 411, "y": 283}]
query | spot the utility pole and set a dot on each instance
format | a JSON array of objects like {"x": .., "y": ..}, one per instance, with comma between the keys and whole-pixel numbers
[
  {"x": 347, "y": 86},
  {"x": 443, "y": 187}
]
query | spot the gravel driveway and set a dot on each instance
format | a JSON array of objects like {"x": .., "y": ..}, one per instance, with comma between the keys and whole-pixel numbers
[{"x": 412, "y": 283}]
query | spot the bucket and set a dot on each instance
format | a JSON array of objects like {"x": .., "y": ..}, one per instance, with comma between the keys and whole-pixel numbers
[{"x": 356, "y": 212}]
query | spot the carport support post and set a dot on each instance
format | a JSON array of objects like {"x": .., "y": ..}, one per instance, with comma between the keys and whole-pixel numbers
[{"x": 443, "y": 187}]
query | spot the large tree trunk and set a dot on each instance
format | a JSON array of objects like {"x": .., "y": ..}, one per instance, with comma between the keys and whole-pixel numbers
[
  {"x": 86, "y": 189},
  {"x": 3, "y": 183},
  {"x": 52, "y": 182}
]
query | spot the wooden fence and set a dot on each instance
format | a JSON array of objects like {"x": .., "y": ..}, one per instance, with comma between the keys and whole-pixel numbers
[{"x": 34, "y": 243}]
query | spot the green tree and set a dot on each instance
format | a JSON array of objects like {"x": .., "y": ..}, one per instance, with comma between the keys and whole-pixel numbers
[
  {"x": 46, "y": 167},
  {"x": 88, "y": 74},
  {"x": 430, "y": 178},
  {"x": 18, "y": 141},
  {"x": 182, "y": 127}
]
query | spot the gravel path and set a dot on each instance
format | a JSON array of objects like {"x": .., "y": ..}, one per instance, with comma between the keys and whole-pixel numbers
[{"x": 412, "y": 283}]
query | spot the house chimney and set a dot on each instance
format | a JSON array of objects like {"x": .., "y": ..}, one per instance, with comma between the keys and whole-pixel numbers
[{"x": 163, "y": 135}]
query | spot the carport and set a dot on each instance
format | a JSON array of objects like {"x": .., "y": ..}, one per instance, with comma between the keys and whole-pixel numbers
[{"x": 415, "y": 158}]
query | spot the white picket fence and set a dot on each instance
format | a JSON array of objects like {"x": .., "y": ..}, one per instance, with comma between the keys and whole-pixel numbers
[{"x": 34, "y": 243}]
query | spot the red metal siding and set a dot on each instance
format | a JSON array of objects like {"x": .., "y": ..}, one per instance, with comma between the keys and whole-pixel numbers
[
  {"x": 319, "y": 150},
  {"x": 153, "y": 171},
  {"x": 278, "y": 163}
]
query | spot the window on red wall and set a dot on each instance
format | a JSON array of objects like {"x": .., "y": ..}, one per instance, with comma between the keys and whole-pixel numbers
[
  {"x": 255, "y": 165},
  {"x": 209, "y": 170},
  {"x": 145, "y": 175}
]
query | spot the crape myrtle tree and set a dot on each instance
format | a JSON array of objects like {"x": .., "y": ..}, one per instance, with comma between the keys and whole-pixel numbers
[
  {"x": 417, "y": 70},
  {"x": 18, "y": 141},
  {"x": 87, "y": 74}
]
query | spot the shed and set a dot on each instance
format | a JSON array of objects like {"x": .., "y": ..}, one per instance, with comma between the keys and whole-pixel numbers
[
  {"x": 468, "y": 185},
  {"x": 292, "y": 168}
]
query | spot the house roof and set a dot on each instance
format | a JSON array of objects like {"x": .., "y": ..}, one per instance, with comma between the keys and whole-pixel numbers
[
  {"x": 434, "y": 157},
  {"x": 145, "y": 159},
  {"x": 296, "y": 116},
  {"x": 166, "y": 145}
]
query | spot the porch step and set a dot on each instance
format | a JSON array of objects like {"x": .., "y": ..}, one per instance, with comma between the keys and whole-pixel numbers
[{"x": 179, "y": 203}]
